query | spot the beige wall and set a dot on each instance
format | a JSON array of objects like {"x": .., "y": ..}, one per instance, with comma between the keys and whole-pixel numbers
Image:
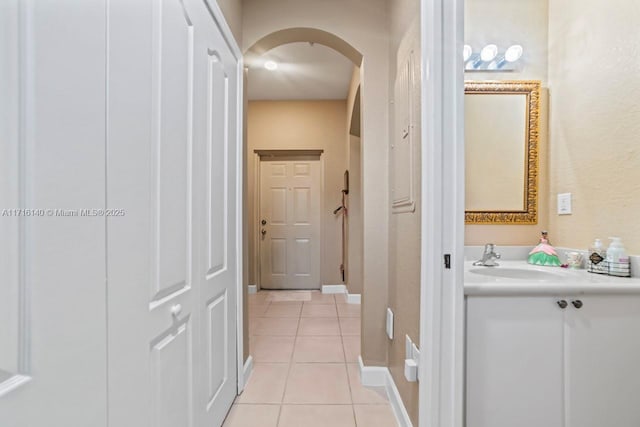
[
  {"x": 507, "y": 22},
  {"x": 364, "y": 25},
  {"x": 354, "y": 201},
  {"x": 404, "y": 228},
  {"x": 232, "y": 11},
  {"x": 595, "y": 120},
  {"x": 302, "y": 125}
]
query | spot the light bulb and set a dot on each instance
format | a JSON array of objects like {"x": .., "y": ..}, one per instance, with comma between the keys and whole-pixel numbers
[
  {"x": 489, "y": 52},
  {"x": 513, "y": 53},
  {"x": 271, "y": 65},
  {"x": 466, "y": 52}
]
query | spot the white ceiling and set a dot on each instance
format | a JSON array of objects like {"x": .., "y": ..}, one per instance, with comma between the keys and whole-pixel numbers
[{"x": 304, "y": 71}]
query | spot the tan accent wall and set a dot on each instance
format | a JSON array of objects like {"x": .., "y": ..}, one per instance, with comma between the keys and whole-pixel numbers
[
  {"x": 232, "y": 11},
  {"x": 364, "y": 26},
  {"x": 595, "y": 120},
  {"x": 404, "y": 228},
  {"x": 301, "y": 125},
  {"x": 354, "y": 219},
  {"x": 504, "y": 23}
]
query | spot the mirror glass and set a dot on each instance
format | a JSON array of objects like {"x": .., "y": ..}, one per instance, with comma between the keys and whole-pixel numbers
[{"x": 501, "y": 143}]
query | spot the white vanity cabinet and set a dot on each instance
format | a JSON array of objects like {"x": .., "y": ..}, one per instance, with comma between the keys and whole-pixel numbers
[{"x": 532, "y": 363}]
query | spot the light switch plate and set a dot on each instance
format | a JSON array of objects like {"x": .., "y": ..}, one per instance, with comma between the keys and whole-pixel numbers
[
  {"x": 389, "y": 323},
  {"x": 564, "y": 204}
]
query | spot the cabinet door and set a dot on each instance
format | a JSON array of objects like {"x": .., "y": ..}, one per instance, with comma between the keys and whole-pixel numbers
[
  {"x": 603, "y": 353},
  {"x": 514, "y": 362}
]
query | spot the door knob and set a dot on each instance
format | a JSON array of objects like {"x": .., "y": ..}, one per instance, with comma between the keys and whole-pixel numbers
[
  {"x": 176, "y": 310},
  {"x": 562, "y": 304},
  {"x": 263, "y": 222},
  {"x": 263, "y": 232},
  {"x": 577, "y": 303}
]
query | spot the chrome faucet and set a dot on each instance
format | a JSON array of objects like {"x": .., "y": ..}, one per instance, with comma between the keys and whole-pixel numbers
[{"x": 489, "y": 256}]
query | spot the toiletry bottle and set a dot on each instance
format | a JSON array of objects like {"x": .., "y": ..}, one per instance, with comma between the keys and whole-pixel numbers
[
  {"x": 617, "y": 259},
  {"x": 597, "y": 262}
]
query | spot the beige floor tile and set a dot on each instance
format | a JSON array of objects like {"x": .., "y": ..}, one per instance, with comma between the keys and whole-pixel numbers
[
  {"x": 319, "y": 383},
  {"x": 351, "y": 345},
  {"x": 318, "y": 297},
  {"x": 273, "y": 349},
  {"x": 253, "y": 416},
  {"x": 318, "y": 326},
  {"x": 266, "y": 383},
  {"x": 362, "y": 394},
  {"x": 348, "y": 310},
  {"x": 277, "y": 326},
  {"x": 317, "y": 416},
  {"x": 319, "y": 310},
  {"x": 254, "y": 323},
  {"x": 300, "y": 296},
  {"x": 375, "y": 416},
  {"x": 257, "y": 310},
  {"x": 318, "y": 349},
  {"x": 258, "y": 299},
  {"x": 350, "y": 325},
  {"x": 283, "y": 309}
]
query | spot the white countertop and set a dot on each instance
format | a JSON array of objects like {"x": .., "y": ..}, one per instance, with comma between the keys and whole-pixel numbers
[{"x": 569, "y": 282}]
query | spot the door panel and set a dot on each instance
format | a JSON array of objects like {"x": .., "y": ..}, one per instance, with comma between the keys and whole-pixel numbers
[
  {"x": 290, "y": 205},
  {"x": 173, "y": 115},
  {"x": 514, "y": 362},
  {"x": 602, "y": 351}
]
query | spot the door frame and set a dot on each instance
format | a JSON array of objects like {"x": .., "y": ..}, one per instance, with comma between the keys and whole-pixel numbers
[
  {"x": 442, "y": 289},
  {"x": 218, "y": 16},
  {"x": 258, "y": 154}
]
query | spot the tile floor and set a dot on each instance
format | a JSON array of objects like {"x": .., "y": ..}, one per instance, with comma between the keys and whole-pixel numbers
[{"x": 305, "y": 348}]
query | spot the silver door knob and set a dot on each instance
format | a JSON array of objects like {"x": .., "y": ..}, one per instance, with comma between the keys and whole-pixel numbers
[{"x": 263, "y": 232}]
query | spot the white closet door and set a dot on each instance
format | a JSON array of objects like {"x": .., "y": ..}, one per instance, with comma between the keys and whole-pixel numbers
[
  {"x": 290, "y": 224},
  {"x": 172, "y": 258}
]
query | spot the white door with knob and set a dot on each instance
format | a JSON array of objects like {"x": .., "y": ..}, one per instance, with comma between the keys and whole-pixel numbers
[
  {"x": 172, "y": 153},
  {"x": 290, "y": 190}
]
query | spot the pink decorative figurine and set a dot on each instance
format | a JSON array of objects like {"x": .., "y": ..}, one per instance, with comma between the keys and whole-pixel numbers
[{"x": 544, "y": 253}]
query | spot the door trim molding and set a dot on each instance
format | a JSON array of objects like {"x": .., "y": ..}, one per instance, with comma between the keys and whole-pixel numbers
[
  {"x": 285, "y": 153},
  {"x": 442, "y": 214}
]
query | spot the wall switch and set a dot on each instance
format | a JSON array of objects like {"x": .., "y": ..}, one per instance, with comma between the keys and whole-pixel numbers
[
  {"x": 564, "y": 203},
  {"x": 389, "y": 323}
]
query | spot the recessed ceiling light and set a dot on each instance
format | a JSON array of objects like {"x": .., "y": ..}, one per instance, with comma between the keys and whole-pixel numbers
[{"x": 271, "y": 65}]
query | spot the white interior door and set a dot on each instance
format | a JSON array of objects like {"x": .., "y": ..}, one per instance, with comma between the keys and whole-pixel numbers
[
  {"x": 290, "y": 223},
  {"x": 52, "y": 256},
  {"x": 172, "y": 135}
]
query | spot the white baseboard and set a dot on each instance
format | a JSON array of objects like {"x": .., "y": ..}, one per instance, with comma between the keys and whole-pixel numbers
[
  {"x": 353, "y": 298},
  {"x": 379, "y": 376},
  {"x": 253, "y": 289},
  {"x": 334, "y": 289},
  {"x": 246, "y": 373}
]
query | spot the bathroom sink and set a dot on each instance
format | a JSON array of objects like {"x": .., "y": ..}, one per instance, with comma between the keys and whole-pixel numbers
[{"x": 516, "y": 273}]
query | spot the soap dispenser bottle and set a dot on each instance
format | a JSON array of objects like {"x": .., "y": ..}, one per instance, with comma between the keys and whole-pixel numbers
[
  {"x": 597, "y": 261},
  {"x": 617, "y": 258}
]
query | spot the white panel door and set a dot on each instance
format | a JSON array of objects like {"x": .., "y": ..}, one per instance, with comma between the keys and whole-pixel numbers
[
  {"x": 172, "y": 115},
  {"x": 217, "y": 139},
  {"x": 514, "y": 362},
  {"x": 52, "y": 252},
  {"x": 290, "y": 224},
  {"x": 602, "y": 353}
]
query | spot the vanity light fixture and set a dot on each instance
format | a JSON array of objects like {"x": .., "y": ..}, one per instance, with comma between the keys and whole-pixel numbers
[
  {"x": 467, "y": 51},
  {"x": 489, "y": 53},
  {"x": 511, "y": 55},
  {"x": 271, "y": 65}
]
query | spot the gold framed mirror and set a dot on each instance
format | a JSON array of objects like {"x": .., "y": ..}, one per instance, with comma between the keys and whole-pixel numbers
[{"x": 501, "y": 151}]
